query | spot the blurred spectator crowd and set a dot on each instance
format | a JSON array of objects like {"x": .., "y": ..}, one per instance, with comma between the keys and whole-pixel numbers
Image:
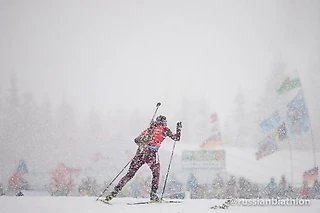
[{"x": 220, "y": 188}]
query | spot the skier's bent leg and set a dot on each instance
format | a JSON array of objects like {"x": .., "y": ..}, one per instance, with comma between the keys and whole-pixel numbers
[{"x": 135, "y": 165}]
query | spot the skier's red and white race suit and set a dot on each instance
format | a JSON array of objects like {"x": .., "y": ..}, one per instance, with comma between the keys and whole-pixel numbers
[{"x": 149, "y": 156}]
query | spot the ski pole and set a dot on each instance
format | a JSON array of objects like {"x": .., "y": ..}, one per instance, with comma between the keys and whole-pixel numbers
[
  {"x": 165, "y": 181},
  {"x": 113, "y": 180}
]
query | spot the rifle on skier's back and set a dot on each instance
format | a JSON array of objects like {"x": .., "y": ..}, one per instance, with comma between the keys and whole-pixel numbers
[{"x": 143, "y": 139}]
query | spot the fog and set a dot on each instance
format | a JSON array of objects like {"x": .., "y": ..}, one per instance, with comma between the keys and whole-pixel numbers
[{"x": 107, "y": 63}]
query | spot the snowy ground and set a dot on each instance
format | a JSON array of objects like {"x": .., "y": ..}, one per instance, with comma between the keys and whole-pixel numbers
[{"x": 37, "y": 204}]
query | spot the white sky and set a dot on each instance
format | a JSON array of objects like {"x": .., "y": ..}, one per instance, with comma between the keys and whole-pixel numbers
[{"x": 115, "y": 53}]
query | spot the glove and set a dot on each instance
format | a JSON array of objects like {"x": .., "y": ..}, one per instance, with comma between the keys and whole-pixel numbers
[
  {"x": 138, "y": 140},
  {"x": 179, "y": 125}
]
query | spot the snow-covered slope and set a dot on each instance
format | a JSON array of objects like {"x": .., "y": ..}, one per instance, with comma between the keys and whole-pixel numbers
[{"x": 34, "y": 204}]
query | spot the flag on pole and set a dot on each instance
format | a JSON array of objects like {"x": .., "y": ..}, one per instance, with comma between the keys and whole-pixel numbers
[
  {"x": 311, "y": 175},
  {"x": 266, "y": 147},
  {"x": 280, "y": 133},
  {"x": 212, "y": 142},
  {"x": 289, "y": 84},
  {"x": 22, "y": 167},
  {"x": 21, "y": 170},
  {"x": 215, "y": 136},
  {"x": 271, "y": 122},
  {"x": 297, "y": 115}
]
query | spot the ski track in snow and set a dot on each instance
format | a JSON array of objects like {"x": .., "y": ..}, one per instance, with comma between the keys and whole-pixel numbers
[{"x": 33, "y": 204}]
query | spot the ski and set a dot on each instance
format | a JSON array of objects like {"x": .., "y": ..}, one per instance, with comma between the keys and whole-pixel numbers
[
  {"x": 106, "y": 202},
  {"x": 155, "y": 202},
  {"x": 225, "y": 205}
]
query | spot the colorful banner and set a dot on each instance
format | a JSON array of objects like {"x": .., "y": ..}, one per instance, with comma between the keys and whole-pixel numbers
[
  {"x": 280, "y": 133},
  {"x": 215, "y": 139},
  {"x": 288, "y": 85},
  {"x": 21, "y": 170},
  {"x": 266, "y": 147},
  {"x": 212, "y": 142},
  {"x": 297, "y": 116},
  {"x": 311, "y": 175},
  {"x": 214, "y": 159},
  {"x": 22, "y": 167},
  {"x": 63, "y": 174},
  {"x": 270, "y": 123}
]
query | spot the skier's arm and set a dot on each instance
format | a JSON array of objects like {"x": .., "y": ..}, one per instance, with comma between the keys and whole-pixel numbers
[
  {"x": 177, "y": 135},
  {"x": 139, "y": 139}
]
